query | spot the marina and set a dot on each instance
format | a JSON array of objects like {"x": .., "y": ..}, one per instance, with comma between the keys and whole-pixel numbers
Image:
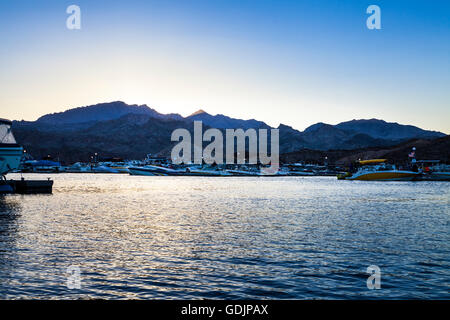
[
  {"x": 374, "y": 169},
  {"x": 14, "y": 159}
]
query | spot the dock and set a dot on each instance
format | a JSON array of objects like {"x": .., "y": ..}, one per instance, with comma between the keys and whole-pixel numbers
[{"x": 23, "y": 186}]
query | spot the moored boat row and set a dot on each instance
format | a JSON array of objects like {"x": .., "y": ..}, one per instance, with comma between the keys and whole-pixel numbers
[
  {"x": 380, "y": 170},
  {"x": 14, "y": 159}
]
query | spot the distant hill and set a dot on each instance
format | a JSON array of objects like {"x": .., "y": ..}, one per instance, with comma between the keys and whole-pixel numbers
[
  {"x": 427, "y": 149},
  {"x": 132, "y": 136},
  {"x": 221, "y": 121},
  {"x": 102, "y": 112},
  {"x": 117, "y": 129},
  {"x": 327, "y": 137},
  {"x": 380, "y": 129}
]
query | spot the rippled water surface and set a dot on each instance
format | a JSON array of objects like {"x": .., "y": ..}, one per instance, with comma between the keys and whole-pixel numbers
[{"x": 229, "y": 237}]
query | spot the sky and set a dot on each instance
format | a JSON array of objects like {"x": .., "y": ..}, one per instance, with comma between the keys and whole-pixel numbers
[{"x": 291, "y": 62}]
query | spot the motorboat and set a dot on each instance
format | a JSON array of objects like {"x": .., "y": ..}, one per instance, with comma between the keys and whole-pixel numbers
[
  {"x": 379, "y": 170},
  {"x": 41, "y": 166},
  {"x": 437, "y": 176},
  {"x": 79, "y": 167},
  {"x": 300, "y": 169},
  {"x": 301, "y": 173},
  {"x": 207, "y": 173},
  {"x": 120, "y": 167},
  {"x": 433, "y": 170},
  {"x": 10, "y": 152},
  {"x": 205, "y": 170},
  {"x": 244, "y": 173},
  {"x": 103, "y": 169},
  {"x": 150, "y": 170}
]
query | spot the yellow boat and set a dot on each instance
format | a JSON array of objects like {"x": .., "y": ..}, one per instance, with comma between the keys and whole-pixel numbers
[
  {"x": 372, "y": 161},
  {"x": 379, "y": 170}
]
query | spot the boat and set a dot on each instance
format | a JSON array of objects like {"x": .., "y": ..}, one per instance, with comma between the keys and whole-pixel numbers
[
  {"x": 304, "y": 170},
  {"x": 379, "y": 170},
  {"x": 301, "y": 173},
  {"x": 150, "y": 170},
  {"x": 140, "y": 171},
  {"x": 10, "y": 152},
  {"x": 79, "y": 167},
  {"x": 206, "y": 171},
  {"x": 433, "y": 170},
  {"x": 119, "y": 167},
  {"x": 41, "y": 166},
  {"x": 437, "y": 176},
  {"x": 103, "y": 169},
  {"x": 243, "y": 173}
]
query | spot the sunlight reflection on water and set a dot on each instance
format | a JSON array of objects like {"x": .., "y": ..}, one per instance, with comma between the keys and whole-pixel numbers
[{"x": 233, "y": 237}]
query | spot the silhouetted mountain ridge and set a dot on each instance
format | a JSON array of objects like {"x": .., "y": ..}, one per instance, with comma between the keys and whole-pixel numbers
[
  {"x": 102, "y": 112},
  {"x": 386, "y": 130},
  {"x": 221, "y": 121},
  {"x": 132, "y": 131}
]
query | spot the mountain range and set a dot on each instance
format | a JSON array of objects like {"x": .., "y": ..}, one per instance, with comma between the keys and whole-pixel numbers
[{"x": 117, "y": 129}]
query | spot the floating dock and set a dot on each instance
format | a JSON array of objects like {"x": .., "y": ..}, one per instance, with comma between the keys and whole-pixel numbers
[{"x": 23, "y": 186}]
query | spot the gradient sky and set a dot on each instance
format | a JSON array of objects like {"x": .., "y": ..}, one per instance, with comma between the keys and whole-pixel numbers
[{"x": 292, "y": 62}]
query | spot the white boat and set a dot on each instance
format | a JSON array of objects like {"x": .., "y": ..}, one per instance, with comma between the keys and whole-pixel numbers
[
  {"x": 154, "y": 171},
  {"x": 206, "y": 172},
  {"x": 10, "y": 151},
  {"x": 244, "y": 173},
  {"x": 120, "y": 167},
  {"x": 300, "y": 169},
  {"x": 104, "y": 169},
  {"x": 140, "y": 171},
  {"x": 433, "y": 170},
  {"x": 79, "y": 167},
  {"x": 437, "y": 176},
  {"x": 302, "y": 173}
]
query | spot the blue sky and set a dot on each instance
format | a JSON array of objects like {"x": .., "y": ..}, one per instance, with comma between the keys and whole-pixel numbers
[{"x": 292, "y": 62}]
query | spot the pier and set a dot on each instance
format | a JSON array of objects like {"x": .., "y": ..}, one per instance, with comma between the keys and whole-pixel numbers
[{"x": 23, "y": 186}]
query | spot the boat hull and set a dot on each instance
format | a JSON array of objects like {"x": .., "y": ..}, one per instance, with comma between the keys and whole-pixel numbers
[
  {"x": 140, "y": 172},
  {"x": 207, "y": 173},
  {"x": 104, "y": 169},
  {"x": 301, "y": 174},
  {"x": 243, "y": 173},
  {"x": 386, "y": 176},
  {"x": 437, "y": 176},
  {"x": 154, "y": 171},
  {"x": 10, "y": 158},
  {"x": 121, "y": 169}
]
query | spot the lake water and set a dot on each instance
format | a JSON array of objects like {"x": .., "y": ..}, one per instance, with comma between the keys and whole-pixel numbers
[{"x": 225, "y": 238}]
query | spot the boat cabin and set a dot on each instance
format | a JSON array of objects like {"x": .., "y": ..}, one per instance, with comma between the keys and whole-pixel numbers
[{"x": 6, "y": 136}]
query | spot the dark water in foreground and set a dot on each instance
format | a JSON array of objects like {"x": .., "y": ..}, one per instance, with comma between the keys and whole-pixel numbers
[{"x": 230, "y": 238}]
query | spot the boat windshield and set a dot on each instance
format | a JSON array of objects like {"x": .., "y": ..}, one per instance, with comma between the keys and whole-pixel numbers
[{"x": 6, "y": 135}]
